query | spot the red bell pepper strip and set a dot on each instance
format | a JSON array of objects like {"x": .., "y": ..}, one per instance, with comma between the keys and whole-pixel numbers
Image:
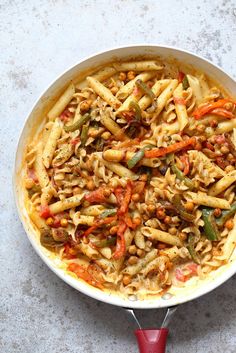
[
  {"x": 176, "y": 147},
  {"x": 83, "y": 273},
  {"x": 208, "y": 107},
  {"x": 96, "y": 196},
  {"x": 181, "y": 76},
  {"x": 184, "y": 159},
  {"x": 223, "y": 112},
  {"x": 69, "y": 252},
  {"x": 126, "y": 200},
  {"x": 98, "y": 224},
  {"x": 120, "y": 243}
]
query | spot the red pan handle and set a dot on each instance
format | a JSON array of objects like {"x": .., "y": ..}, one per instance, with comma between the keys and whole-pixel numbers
[{"x": 152, "y": 340}]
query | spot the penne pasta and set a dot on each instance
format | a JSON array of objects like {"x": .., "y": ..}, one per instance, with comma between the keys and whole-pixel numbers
[
  {"x": 145, "y": 65},
  {"x": 205, "y": 200},
  {"x": 180, "y": 107},
  {"x": 159, "y": 235},
  {"x": 66, "y": 204},
  {"x": 164, "y": 96},
  {"x": 127, "y": 89},
  {"x": 119, "y": 169},
  {"x": 134, "y": 269},
  {"x": 51, "y": 144},
  {"x": 103, "y": 92},
  {"x": 222, "y": 184},
  {"x": 62, "y": 102},
  {"x": 157, "y": 88},
  {"x": 113, "y": 127},
  {"x": 40, "y": 168},
  {"x": 196, "y": 87}
]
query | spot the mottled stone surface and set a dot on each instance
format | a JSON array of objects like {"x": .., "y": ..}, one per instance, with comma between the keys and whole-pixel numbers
[{"x": 39, "y": 39}]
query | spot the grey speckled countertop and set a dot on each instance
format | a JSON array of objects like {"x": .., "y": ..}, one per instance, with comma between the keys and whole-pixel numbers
[{"x": 39, "y": 39}]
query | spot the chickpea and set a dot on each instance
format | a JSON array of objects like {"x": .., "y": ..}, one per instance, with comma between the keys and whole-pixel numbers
[
  {"x": 229, "y": 224},
  {"x": 202, "y": 138},
  {"x": 135, "y": 197},
  {"x": 143, "y": 177},
  {"x": 114, "y": 89},
  {"x": 140, "y": 252},
  {"x": 107, "y": 192},
  {"x": 113, "y": 230},
  {"x": 77, "y": 190},
  {"x": 106, "y": 135},
  {"x": 151, "y": 208},
  {"x": 132, "y": 249},
  {"x": 172, "y": 230},
  {"x": 131, "y": 75},
  {"x": 85, "y": 106},
  {"x": 126, "y": 280},
  {"x": 64, "y": 222},
  {"x": 230, "y": 157},
  {"x": 90, "y": 185},
  {"x": 160, "y": 213},
  {"x": 132, "y": 260},
  {"x": 189, "y": 206},
  {"x": 137, "y": 221},
  {"x": 169, "y": 265},
  {"x": 224, "y": 149},
  {"x": 229, "y": 168},
  {"x": 49, "y": 221},
  {"x": 29, "y": 183},
  {"x": 167, "y": 219},
  {"x": 217, "y": 212},
  {"x": 122, "y": 76},
  {"x": 182, "y": 236},
  {"x": 201, "y": 128}
]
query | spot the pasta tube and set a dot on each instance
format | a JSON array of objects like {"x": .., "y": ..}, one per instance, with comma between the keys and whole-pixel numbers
[
  {"x": 144, "y": 65},
  {"x": 66, "y": 204},
  {"x": 62, "y": 102},
  {"x": 159, "y": 235},
  {"x": 222, "y": 184},
  {"x": 164, "y": 96},
  {"x": 103, "y": 92},
  {"x": 180, "y": 107},
  {"x": 51, "y": 144},
  {"x": 205, "y": 200}
]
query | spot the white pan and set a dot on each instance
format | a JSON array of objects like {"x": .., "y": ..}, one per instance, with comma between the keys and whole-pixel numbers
[{"x": 195, "y": 287}]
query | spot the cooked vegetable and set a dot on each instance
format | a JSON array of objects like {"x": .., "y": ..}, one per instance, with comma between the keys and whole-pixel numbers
[
  {"x": 140, "y": 84},
  {"x": 191, "y": 249},
  {"x": 53, "y": 238},
  {"x": 225, "y": 215},
  {"x": 176, "y": 147},
  {"x": 135, "y": 107},
  {"x": 98, "y": 223},
  {"x": 179, "y": 174},
  {"x": 77, "y": 125},
  {"x": 210, "y": 227},
  {"x": 176, "y": 200},
  {"x": 185, "y": 82},
  {"x": 83, "y": 273},
  {"x": 209, "y": 107},
  {"x": 105, "y": 242},
  {"x": 84, "y": 135},
  {"x": 120, "y": 243},
  {"x": 109, "y": 212},
  {"x": 136, "y": 158}
]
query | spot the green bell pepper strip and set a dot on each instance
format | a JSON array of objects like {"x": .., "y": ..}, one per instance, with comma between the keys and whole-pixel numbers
[
  {"x": 179, "y": 174},
  {"x": 138, "y": 156},
  {"x": 84, "y": 135},
  {"x": 77, "y": 125},
  {"x": 192, "y": 251},
  {"x": 176, "y": 201},
  {"x": 107, "y": 213},
  {"x": 140, "y": 84},
  {"x": 210, "y": 227},
  {"x": 185, "y": 82},
  {"x": 105, "y": 242},
  {"x": 225, "y": 215},
  {"x": 138, "y": 113}
]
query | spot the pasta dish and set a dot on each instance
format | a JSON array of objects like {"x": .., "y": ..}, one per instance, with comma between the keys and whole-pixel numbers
[{"x": 131, "y": 181}]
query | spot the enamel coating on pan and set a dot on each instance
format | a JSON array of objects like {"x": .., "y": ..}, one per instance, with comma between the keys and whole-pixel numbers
[{"x": 196, "y": 287}]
